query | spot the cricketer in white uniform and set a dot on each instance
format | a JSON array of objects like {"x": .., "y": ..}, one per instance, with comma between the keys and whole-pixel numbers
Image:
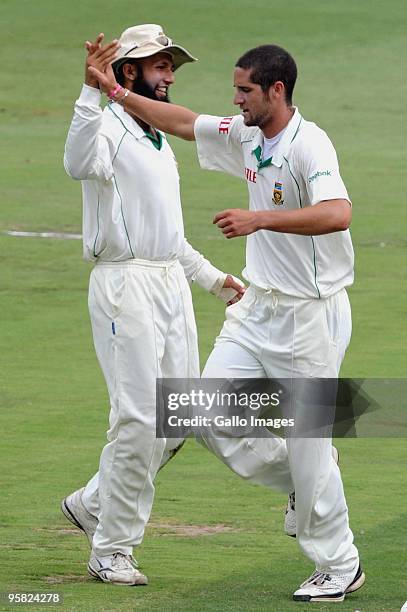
[
  {"x": 294, "y": 321},
  {"x": 139, "y": 298}
]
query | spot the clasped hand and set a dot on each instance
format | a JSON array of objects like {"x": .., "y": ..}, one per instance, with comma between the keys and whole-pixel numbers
[{"x": 98, "y": 69}]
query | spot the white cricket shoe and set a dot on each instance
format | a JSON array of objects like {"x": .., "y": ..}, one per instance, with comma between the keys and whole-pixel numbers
[
  {"x": 116, "y": 569},
  {"x": 74, "y": 510},
  {"x": 329, "y": 587},
  {"x": 290, "y": 519}
]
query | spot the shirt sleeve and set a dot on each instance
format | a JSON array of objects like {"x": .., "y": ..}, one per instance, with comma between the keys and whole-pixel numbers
[
  {"x": 200, "y": 270},
  {"x": 87, "y": 153},
  {"x": 319, "y": 167},
  {"x": 218, "y": 141}
]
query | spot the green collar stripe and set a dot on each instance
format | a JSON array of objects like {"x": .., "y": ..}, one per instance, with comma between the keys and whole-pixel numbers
[
  {"x": 257, "y": 152},
  {"x": 157, "y": 142},
  {"x": 261, "y": 164},
  {"x": 296, "y": 131},
  {"x": 265, "y": 163}
]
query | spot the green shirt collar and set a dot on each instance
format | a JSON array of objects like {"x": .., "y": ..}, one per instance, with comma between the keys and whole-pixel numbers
[
  {"x": 282, "y": 147},
  {"x": 261, "y": 164},
  {"x": 157, "y": 141}
]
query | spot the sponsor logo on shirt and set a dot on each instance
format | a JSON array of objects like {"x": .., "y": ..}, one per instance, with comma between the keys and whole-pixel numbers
[
  {"x": 278, "y": 193},
  {"x": 224, "y": 125},
  {"x": 251, "y": 175},
  {"x": 317, "y": 174}
]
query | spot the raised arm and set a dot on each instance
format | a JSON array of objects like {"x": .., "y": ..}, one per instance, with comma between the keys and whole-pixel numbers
[
  {"x": 170, "y": 118},
  {"x": 87, "y": 154}
]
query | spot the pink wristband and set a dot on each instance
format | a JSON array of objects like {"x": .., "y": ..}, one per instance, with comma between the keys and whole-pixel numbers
[{"x": 114, "y": 91}]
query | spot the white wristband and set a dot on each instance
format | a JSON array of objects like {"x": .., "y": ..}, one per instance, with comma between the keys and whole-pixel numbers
[
  {"x": 227, "y": 294},
  {"x": 210, "y": 278}
]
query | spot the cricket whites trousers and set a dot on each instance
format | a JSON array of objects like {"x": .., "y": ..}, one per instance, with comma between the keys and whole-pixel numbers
[
  {"x": 143, "y": 328},
  {"x": 271, "y": 335}
]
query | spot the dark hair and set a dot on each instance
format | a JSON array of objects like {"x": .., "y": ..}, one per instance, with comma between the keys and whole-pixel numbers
[
  {"x": 270, "y": 63},
  {"x": 118, "y": 70}
]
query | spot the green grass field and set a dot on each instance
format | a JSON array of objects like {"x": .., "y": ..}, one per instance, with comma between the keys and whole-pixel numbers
[{"x": 214, "y": 543}]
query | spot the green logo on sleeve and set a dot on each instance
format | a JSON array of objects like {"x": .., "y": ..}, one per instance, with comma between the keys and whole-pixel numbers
[{"x": 317, "y": 174}]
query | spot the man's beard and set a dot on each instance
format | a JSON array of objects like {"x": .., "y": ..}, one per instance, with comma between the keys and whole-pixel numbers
[
  {"x": 260, "y": 120},
  {"x": 141, "y": 87}
]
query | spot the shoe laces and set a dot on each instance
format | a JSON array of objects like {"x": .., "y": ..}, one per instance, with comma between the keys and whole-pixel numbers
[
  {"x": 121, "y": 562},
  {"x": 133, "y": 561},
  {"x": 318, "y": 578}
]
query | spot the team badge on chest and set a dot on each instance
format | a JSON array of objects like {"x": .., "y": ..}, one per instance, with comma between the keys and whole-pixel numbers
[{"x": 278, "y": 196}]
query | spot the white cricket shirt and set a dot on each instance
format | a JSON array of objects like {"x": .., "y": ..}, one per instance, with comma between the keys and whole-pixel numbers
[
  {"x": 131, "y": 192},
  {"x": 302, "y": 172}
]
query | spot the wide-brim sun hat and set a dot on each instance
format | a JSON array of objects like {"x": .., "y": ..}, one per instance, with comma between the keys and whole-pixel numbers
[{"x": 146, "y": 40}]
